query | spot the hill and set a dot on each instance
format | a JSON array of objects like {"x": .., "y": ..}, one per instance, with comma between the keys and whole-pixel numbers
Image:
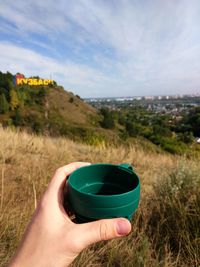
[
  {"x": 44, "y": 109},
  {"x": 165, "y": 228},
  {"x": 51, "y": 110}
]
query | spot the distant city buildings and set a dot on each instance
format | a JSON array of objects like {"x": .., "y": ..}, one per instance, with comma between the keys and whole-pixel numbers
[
  {"x": 174, "y": 106},
  {"x": 122, "y": 99}
]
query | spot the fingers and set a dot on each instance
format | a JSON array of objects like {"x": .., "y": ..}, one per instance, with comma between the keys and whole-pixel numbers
[
  {"x": 102, "y": 230},
  {"x": 60, "y": 175},
  {"x": 54, "y": 192}
]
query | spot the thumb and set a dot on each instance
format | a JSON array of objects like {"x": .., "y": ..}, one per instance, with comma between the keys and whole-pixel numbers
[{"x": 102, "y": 230}]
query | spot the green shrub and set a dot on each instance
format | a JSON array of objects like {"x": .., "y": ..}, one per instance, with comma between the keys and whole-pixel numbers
[
  {"x": 17, "y": 118},
  {"x": 71, "y": 100},
  {"x": 174, "y": 219},
  {"x": 186, "y": 137},
  {"x": 95, "y": 139},
  {"x": 4, "y": 106},
  {"x": 36, "y": 122},
  {"x": 108, "y": 120},
  {"x": 133, "y": 129}
]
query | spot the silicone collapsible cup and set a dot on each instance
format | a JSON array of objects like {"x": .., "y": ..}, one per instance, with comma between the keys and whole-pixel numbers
[{"x": 100, "y": 191}]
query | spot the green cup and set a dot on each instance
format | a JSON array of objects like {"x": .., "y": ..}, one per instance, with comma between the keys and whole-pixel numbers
[{"x": 99, "y": 191}]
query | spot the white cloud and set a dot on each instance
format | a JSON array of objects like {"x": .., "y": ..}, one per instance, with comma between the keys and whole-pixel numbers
[
  {"x": 140, "y": 46},
  {"x": 16, "y": 59}
]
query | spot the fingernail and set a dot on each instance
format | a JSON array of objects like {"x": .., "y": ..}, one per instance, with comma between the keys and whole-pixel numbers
[{"x": 123, "y": 227}]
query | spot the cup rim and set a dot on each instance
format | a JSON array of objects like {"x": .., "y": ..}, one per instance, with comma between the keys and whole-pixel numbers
[{"x": 68, "y": 183}]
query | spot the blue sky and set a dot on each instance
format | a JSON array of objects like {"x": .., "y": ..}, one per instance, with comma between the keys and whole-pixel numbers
[{"x": 104, "y": 48}]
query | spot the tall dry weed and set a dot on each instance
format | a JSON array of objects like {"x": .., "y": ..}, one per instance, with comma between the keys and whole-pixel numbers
[{"x": 27, "y": 162}]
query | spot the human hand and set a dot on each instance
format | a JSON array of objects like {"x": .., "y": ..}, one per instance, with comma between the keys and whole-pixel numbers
[{"x": 52, "y": 239}]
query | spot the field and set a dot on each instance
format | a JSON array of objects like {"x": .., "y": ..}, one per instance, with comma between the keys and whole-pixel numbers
[{"x": 166, "y": 227}]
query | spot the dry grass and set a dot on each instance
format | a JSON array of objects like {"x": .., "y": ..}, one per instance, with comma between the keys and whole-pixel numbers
[
  {"x": 77, "y": 112},
  {"x": 27, "y": 162}
]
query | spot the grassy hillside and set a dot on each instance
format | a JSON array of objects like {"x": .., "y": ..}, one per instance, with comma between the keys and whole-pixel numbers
[
  {"x": 55, "y": 101},
  {"x": 51, "y": 110},
  {"x": 166, "y": 227},
  {"x": 70, "y": 107},
  {"x": 44, "y": 109}
]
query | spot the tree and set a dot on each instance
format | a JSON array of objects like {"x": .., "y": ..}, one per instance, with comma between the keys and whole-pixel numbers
[
  {"x": 121, "y": 119},
  {"x": 108, "y": 120},
  {"x": 186, "y": 137},
  {"x": 17, "y": 118},
  {"x": 4, "y": 106},
  {"x": 14, "y": 102},
  {"x": 6, "y": 83},
  {"x": 159, "y": 129},
  {"x": 132, "y": 128},
  {"x": 193, "y": 119}
]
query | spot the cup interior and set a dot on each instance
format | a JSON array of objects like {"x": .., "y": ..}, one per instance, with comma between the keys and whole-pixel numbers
[{"x": 104, "y": 179}]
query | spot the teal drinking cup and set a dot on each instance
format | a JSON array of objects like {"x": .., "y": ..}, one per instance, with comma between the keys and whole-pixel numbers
[{"x": 99, "y": 191}]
